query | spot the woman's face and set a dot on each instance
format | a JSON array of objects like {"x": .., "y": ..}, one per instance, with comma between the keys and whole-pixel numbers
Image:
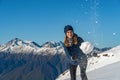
[{"x": 69, "y": 34}]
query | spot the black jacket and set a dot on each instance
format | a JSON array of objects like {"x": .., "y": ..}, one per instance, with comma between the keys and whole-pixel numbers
[{"x": 74, "y": 50}]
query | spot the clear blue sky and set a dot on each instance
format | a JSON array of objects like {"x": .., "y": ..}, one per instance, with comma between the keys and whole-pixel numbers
[{"x": 97, "y": 21}]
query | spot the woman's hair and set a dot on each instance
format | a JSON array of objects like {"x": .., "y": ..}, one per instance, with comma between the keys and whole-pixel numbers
[{"x": 75, "y": 40}]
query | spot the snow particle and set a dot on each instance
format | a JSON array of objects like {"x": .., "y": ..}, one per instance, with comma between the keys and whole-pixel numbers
[
  {"x": 89, "y": 32},
  {"x": 114, "y": 34},
  {"x": 96, "y": 21}
]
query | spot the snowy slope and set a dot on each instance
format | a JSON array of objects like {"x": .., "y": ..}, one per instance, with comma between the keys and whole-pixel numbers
[
  {"x": 108, "y": 57},
  {"x": 109, "y": 72}
]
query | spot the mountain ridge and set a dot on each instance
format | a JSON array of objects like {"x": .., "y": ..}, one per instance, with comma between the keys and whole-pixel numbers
[
  {"x": 25, "y": 60},
  {"x": 17, "y": 45},
  {"x": 40, "y": 62}
]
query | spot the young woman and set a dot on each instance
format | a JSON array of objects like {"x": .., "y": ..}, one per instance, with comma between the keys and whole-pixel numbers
[{"x": 76, "y": 57}]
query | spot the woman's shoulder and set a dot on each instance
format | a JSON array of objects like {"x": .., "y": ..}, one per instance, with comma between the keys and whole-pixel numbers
[{"x": 79, "y": 39}]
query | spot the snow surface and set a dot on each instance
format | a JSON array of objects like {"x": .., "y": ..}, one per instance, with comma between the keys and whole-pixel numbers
[
  {"x": 95, "y": 64},
  {"x": 109, "y": 72}
]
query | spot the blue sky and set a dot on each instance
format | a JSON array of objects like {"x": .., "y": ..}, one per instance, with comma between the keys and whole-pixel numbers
[{"x": 97, "y": 21}]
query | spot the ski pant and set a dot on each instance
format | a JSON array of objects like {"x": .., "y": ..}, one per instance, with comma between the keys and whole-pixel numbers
[{"x": 83, "y": 66}]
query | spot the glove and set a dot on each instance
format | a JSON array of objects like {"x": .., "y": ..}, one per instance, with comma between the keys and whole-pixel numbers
[{"x": 73, "y": 58}]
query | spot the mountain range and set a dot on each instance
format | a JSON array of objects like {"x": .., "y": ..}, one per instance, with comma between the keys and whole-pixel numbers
[{"x": 27, "y": 60}]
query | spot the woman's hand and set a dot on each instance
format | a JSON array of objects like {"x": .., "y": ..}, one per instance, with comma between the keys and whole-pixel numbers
[{"x": 73, "y": 58}]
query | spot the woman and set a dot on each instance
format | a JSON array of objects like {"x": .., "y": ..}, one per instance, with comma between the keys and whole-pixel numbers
[{"x": 75, "y": 54}]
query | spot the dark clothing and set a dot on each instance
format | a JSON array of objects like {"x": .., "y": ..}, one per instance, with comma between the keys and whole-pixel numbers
[
  {"x": 73, "y": 70},
  {"x": 74, "y": 50},
  {"x": 77, "y": 57},
  {"x": 83, "y": 66}
]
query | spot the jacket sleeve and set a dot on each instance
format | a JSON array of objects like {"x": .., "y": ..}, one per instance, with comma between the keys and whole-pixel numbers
[
  {"x": 68, "y": 56},
  {"x": 67, "y": 53}
]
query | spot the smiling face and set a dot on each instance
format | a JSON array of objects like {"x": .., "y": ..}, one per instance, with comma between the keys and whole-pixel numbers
[{"x": 69, "y": 33}]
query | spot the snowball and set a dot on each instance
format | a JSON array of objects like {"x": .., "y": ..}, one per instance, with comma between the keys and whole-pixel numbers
[{"x": 86, "y": 47}]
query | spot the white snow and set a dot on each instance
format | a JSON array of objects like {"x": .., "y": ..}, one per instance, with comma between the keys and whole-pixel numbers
[
  {"x": 96, "y": 21},
  {"x": 98, "y": 63},
  {"x": 109, "y": 72},
  {"x": 114, "y": 34},
  {"x": 89, "y": 32},
  {"x": 86, "y": 47},
  {"x": 18, "y": 46}
]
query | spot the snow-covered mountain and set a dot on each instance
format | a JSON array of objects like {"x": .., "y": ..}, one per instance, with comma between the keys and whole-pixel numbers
[
  {"x": 18, "y": 46},
  {"x": 103, "y": 59},
  {"x": 27, "y": 60}
]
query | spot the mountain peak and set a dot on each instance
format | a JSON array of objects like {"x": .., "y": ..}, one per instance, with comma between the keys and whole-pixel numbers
[
  {"x": 17, "y": 45},
  {"x": 15, "y": 41}
]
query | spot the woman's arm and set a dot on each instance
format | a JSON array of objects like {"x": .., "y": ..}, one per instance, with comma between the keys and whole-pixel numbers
[{"x": 68, "y": 56}]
